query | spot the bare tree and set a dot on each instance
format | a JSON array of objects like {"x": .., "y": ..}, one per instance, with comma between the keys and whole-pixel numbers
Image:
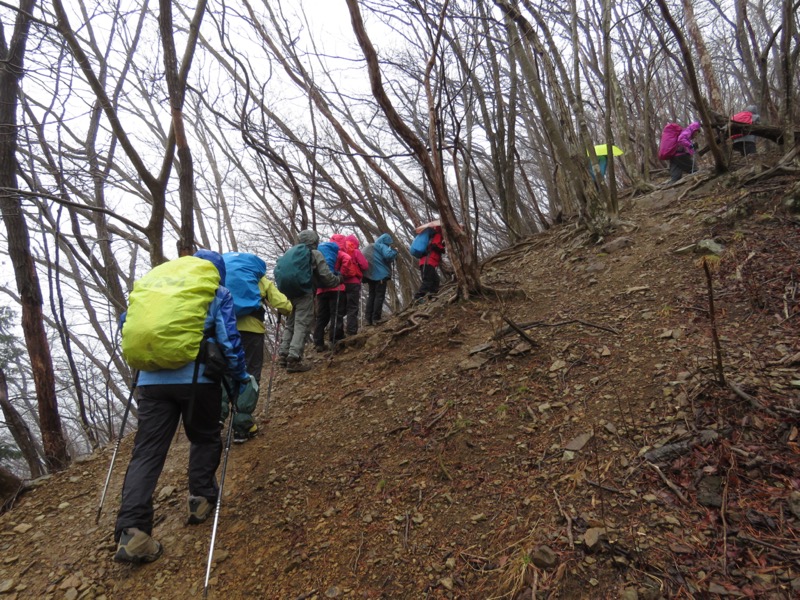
[
  {"x": 12, "y": 54},
  {"x": 462, "y": 255}
]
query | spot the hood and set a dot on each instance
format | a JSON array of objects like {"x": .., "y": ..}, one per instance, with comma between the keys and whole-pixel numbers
[
  {"x": 385, "y": 238},
  {"x": 694, "y": 127},
  {"x": 339, "y": 239},
  {"x": 752, "y": 108},
  {"x": 309, "y": 238},
  {"x": 352, "y": 241},
  {"x": 215, "y": 258}
]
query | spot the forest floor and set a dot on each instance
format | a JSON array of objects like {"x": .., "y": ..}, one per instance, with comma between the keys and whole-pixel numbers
[{"x": 593, "y": 454}]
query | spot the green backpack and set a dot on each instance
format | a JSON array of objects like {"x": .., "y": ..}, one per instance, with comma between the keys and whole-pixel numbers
[
  {"x": 167, "y": 310},
  {"x": 293, "y": 272}
]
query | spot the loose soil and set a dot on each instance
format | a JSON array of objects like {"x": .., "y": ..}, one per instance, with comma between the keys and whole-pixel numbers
[{"x": 571, "y": 440}]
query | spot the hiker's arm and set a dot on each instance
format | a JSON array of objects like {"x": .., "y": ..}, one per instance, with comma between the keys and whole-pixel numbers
[
  {"x": 360, "y": 260},
  {"x": 274, "y": 296},
  {"x": 326, "y": 278},
  {"x": 227, "y": 335}
]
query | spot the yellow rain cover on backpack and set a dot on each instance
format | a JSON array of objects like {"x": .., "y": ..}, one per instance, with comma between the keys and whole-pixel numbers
[{"x": 166, "y": 313}]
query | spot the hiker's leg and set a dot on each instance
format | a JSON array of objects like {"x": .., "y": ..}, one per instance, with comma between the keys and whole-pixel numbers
[
  {"x": 338, "y": 307},
  {"x": 434, "y": 275},
  {"x": 353, "y": 294},
  {"x": 675, "y": 170},
  {"x": 323, "y": 317},
  {"x": 430, "y": 281},
  {"x": 201, "y": 407},
  {"x": 158, "y": 419},
  {"x": 369, "y": 309},
  {"x": 303, "y": 316},
  {"x": 380, "y": 297},
  {"x": 253, "y": 346},
  {"x": 288, "y": 332}
]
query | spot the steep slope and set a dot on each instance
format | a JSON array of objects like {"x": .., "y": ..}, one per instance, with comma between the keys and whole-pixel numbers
[{"x": 447, "y": 455}]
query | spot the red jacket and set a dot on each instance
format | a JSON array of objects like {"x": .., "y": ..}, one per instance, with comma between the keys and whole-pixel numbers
[
  {"x": 351, "y": 247},
  {"x": 435, "y": 250}
]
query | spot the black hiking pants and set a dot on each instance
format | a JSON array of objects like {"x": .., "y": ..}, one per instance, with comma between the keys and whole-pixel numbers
[
  {"x": 330, "y": 309},
  {"x": 430, "y": 281},
  {"x": 160, "y": 408},
  {"x": 352, "y": 292},
  {"x": 375, "y": 298},
  {"x": 680, "y": 164}
]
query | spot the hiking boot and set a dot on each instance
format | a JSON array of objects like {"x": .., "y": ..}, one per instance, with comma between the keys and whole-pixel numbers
[
  {"x": 241, "y": 437},
  {"x": 320, "y": 347},
  {"x": 282, "y": 361},
  {"x": 135, "y": 546},
  {"x": 199, "y": 509},
  {"x": 296, "y": 365}
]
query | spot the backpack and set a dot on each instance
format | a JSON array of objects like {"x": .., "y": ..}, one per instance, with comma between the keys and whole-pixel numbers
[
  {"x": 745, "y": 117},
  {"x": 669, "y": 141},
  {"x": 330, "y": 250},
  {"x": 167, "y": 310},
  {"x": 294, "y": 273},
  {"x": 244, "y": 271},
  {"x": 349, "y": 266},
  {"x": 419, "y": 247}
]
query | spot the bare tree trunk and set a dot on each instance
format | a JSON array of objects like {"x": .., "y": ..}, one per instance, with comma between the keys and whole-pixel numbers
[
  {"x": 705, "y": 117},
  {"x": 20, "y": 431},
  {"x": 11, "y": 71},
  {"x": 706, "y": 66},
  {"x": 9, "y": 488},
  {"x": 462, "y": 256},
  {"x": 176, "y": 84},
  {"x": 788, "y": 68}
]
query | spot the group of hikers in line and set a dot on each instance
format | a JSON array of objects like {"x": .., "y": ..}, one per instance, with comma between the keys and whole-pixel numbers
[
  {"x": 194, "y": 332},
  {"x": 678, "y": 146},
  {"x": 223, "y": 346}
]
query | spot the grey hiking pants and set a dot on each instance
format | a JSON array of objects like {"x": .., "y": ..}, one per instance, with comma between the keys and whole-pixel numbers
[
  {"x": 297, "y": 327},
  {"x": 160, "y": 409}
]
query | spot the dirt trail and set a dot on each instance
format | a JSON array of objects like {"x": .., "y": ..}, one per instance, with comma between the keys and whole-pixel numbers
[{"x": 456, "y": 461}]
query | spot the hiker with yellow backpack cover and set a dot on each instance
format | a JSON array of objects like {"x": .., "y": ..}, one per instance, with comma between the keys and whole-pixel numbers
[{"x": 180, "y": 317}]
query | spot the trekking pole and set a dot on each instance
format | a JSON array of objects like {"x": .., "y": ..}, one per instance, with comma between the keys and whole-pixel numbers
[
  {"x": 116, "y": 447},
  {"x": 228, "y": 438},
  {"x": 272, "y": 366}
]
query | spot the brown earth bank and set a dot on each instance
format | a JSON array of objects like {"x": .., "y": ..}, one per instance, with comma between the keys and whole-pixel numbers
[{"x": 579, "y": 439}]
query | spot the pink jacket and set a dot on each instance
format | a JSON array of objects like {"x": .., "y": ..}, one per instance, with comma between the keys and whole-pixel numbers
[
  {"x": 685, "y": 139},
  {"x": 351, "y": 247}
]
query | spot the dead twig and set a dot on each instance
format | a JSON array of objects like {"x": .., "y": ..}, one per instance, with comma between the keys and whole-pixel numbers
[
  {"x": 782, "y": 549},
  {"x": 753, "y": 402},
  {"x": 521, "y": 333},
  {"x": 567, "y": 518},
  {"x": 505, "y": 331},
  {"x": 604, "y": 487},
  {"x": 669, "y": 483}
]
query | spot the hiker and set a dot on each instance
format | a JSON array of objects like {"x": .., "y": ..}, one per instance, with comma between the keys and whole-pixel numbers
[
  {"x": 298, "y": 273},
  {"x": 331, "y": 300},
  {"x": 682, "y": 161},
  {"x": 246, "y": 278},
  {"x": 746, "y": 144},
  {"x": 164, "y": 395},
  {"x": 428, "y": 264},
  {"x": 352, "y": 283},
  {"x": 380, "y": 257}
]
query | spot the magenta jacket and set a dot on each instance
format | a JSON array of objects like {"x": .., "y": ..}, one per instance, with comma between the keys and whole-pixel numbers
[{"x": 685, "y": 139}]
